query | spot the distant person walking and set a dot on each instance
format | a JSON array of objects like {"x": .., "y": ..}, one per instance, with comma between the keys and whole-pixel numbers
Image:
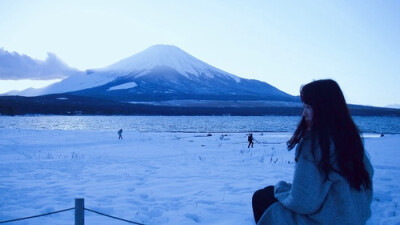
[
  {"x": 120, "y": 134},
  {"x": 250, "y": 139}
]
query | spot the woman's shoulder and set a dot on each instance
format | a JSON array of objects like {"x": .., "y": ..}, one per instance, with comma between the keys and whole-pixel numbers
[
  {"x": 304, "y": 148},
  {"x": 309, "y": 148}
]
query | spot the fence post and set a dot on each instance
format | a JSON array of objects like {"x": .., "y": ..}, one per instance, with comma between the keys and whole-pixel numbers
[{"x": 79, "y": 211}]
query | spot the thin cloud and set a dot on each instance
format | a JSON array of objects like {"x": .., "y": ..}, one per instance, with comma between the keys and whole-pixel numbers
[{"x": 14, "y": 66}]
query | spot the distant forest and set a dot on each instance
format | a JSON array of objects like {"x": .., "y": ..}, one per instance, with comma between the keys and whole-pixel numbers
[{"x": 78, "y": 105}]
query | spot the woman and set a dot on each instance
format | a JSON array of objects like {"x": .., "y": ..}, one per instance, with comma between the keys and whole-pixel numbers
[{"x": 332, "y": 183}]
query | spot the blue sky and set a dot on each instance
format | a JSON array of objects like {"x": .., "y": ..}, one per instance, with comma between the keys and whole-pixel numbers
[{"x": 284, "y": 43}]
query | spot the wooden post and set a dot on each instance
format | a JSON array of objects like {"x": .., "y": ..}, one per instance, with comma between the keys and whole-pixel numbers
[{"x": 79, "y": 211}]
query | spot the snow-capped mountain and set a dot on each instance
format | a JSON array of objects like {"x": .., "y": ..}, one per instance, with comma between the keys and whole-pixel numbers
[
  {"x": 166, "y": 56},
  {"x": 163, "y": 72}
]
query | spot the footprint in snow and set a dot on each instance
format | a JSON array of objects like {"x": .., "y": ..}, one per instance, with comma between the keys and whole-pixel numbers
[{"x": 193, "y": 217}]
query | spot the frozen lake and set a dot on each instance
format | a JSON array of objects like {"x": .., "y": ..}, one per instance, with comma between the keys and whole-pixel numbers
[{"x": 193, "y": 124}]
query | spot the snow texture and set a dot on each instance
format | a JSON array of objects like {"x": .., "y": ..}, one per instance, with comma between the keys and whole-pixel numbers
[
  {"x": 161, "y": 178},
  {"x": 123, "y": 86}
]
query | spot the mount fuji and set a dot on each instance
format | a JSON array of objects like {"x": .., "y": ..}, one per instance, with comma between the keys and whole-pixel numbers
[
  {"x": 161, "y": 80},
  {"x": 162, "y": 73}
]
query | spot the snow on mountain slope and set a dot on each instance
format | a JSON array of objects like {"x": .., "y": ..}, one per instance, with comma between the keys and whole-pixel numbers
[
  {"x": 123, "y": 86},
  {"x": 81, "y": 81},
  {"x": 75, "y": 82},
  {"x": 166, "y": 56}
]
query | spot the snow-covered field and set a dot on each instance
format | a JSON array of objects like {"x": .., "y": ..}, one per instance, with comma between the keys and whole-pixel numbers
[{"x": 161, "y": 178}]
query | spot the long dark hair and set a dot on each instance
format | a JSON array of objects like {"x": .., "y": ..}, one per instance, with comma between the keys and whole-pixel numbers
[{"x": 332, "y": 122}]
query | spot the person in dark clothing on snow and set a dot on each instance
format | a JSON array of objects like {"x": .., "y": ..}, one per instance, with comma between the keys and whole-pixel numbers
[
  {"x": 250, "y": 139},
  {"x": 120, "y": 134}
]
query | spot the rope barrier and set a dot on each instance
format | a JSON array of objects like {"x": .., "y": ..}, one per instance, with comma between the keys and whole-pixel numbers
[
  {"x": 113, "y": 217},
  {"x": 30, "y": 217}
]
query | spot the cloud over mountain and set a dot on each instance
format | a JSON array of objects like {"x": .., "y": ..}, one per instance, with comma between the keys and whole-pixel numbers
[{"x": 14, "y": 66}]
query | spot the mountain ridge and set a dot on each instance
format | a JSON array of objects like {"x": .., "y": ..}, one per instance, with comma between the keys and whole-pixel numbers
[{"x": 163, "y": 72}]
